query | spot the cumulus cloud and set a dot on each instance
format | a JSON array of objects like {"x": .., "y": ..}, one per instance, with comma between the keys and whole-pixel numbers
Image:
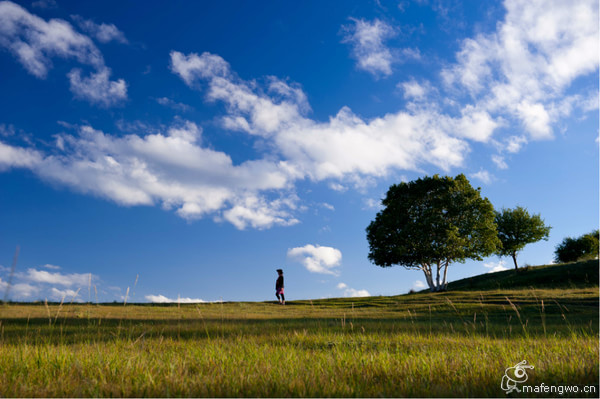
[
  {"x": 98, "y": 88},
  {"x": 36, "y": 284},
  {"x": 483, "y": 175},
  {"x": 167, "y": 102},
  {"x": 170, "y": 168},
  {"x": 499, "y": 161},
  {"x": 317, "y": 259},
  {"x": 523, "y": 68},
  {"x": 414, "y": 90},
  {"x": 34, "y": 42},
  {"x": 17, "y": 157},
  {"x": 351, "y": 292},
  {"x": 67, "y": 294},
  {"x": 345, "y": 147},
  {"x": 164, "y": 299},
  {"x": 368, "y": 45},
  {"x": 496, "y": 266},
  {"x": 67, "y": 280},
  {"x": 103, "y": 32},
  {"x": 418, "y": 285},
  {"x": 175, "y": 168}
]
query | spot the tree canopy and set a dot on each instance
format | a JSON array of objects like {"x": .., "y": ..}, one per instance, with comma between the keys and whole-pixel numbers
[
  {"x": 573, "y": 249},
  {"x": 431, "y": 222},
  {"x": 517, "y": 228}
]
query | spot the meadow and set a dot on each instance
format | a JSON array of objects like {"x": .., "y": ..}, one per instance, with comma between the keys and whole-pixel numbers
[{"x": 455, "y": 344}]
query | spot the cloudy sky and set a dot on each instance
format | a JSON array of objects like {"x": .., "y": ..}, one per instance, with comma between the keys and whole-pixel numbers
[{"x": 188, "y": 149}]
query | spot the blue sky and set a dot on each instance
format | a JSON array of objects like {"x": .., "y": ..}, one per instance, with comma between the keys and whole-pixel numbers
[{"x": 188, "y": 149}]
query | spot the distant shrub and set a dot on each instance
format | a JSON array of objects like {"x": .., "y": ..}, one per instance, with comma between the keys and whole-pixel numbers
[{"x": 581, "y": 248}]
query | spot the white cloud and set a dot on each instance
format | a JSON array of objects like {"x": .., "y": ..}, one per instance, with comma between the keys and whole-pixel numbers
[
  {"x": 45, "y": 4},
  {"x": 24, "y": 291},
  {"x": 193, "y": 66},
  {"x": 372, "y": 203},
  {"x": 483, "y": 175},
  {"x": 167, "y": 102},
  {"x": 35, "y": 284},
  {"x": 171, "y": 168},
  {"x": 418, "y": 285},
  {"x": 515, "y": 143},
  {"x": 34, "y": 42},
  {"x": 351, "y": 292},
  {"x": 174, "y": 168},
  {"x": 51, "y": 267},
  {"x": 317, "y": 259},
  {"x": 66, "y": 294},
  {"x": 499, "y": 161},
  {"x": 496, "y": 267},
  {"x": 260, "y": 213},
  {"x": 104, "y": 33},
  {"x": 523, "y": 69},
  {"x": 367, "y": 40},
  {"x": 346, "y": 146},
  {"x": 16, "y": 157},
  {"x": 414, "y": 90},
  {"x": 164, "y": 299},
  {"x": 98, "y": 88},
  {"x": 67, "y": 280},
  {"x": 328, "y": 206}
]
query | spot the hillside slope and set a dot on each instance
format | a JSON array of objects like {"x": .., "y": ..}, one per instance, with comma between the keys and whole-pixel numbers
[{"x": 567, "y": 275}]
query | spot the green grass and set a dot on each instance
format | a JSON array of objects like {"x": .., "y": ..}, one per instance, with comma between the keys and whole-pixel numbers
[
  {"x": 570, "y": 275},
  {"x": 457, "y": 343}
]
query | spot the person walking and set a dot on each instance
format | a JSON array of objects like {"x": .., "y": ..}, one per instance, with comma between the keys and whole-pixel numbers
[{"x": 279, "y": 287}]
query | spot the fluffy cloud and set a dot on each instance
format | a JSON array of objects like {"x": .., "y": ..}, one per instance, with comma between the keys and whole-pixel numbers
[
  {"x": 164, "y": 299},
  {"x": 483, "y": 175},
  {"x": 35, "y": 284},
  {"x": 345, "y": 147},
  {"x": 171, "y": 168},
  {"x": 167, "y": 102},
  {"x": 418, "y": 285},
  {"x": 98, "y": 88},
  {"x": 104, "y": 33},
  {"x": 351, "y": 292},
  {"x": 496, "y": 267},
  {"x": 66, "y": 280},
  {"x": 523, "y": 68},
  {"x": 34, "y": 42},
  {"x": 317, "y": 259},
  {"x": 18, "y": 157},
  {"x": 367, "y": 40},
  {"x": 174, "y": 168},
  {"x": 60, "y": 295}
]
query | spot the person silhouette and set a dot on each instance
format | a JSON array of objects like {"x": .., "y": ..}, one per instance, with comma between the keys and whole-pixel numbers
[{"x": 279, "y": 287}]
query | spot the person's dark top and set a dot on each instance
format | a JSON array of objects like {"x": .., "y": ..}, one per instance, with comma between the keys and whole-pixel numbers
[{"x": 279, "y": 283}]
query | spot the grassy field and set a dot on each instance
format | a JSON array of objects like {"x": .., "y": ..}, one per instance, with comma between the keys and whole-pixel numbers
[{"x": 457, "y": 343}]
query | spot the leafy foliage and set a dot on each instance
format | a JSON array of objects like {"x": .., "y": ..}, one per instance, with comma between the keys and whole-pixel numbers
[
  {"x": 429, "y": 223},
  {"x": 517, "y": 228},
  {"x": 573, "y": 249}
]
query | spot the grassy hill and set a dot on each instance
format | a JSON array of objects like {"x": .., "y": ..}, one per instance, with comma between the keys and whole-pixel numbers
[
  {"x": 569, "y": 275},
  {"x": 450, "y": 344}
]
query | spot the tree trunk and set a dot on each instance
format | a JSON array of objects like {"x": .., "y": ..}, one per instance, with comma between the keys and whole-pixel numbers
[
  {"x": 514, "y": 256},
  {"x": 435, "y": 285},
  {"x": 444, "y": 282},
  {"x": 428, "y": 277}
]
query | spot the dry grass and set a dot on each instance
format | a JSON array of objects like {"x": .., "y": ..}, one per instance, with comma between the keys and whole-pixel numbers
[{"x": 455, "y": 344}]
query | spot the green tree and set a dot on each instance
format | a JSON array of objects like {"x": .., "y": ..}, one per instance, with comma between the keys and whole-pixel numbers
[
  {"x": 429, "y": 223},
  {"x": 573, "y": 249},
  {"x": 517, "y": 228}
]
